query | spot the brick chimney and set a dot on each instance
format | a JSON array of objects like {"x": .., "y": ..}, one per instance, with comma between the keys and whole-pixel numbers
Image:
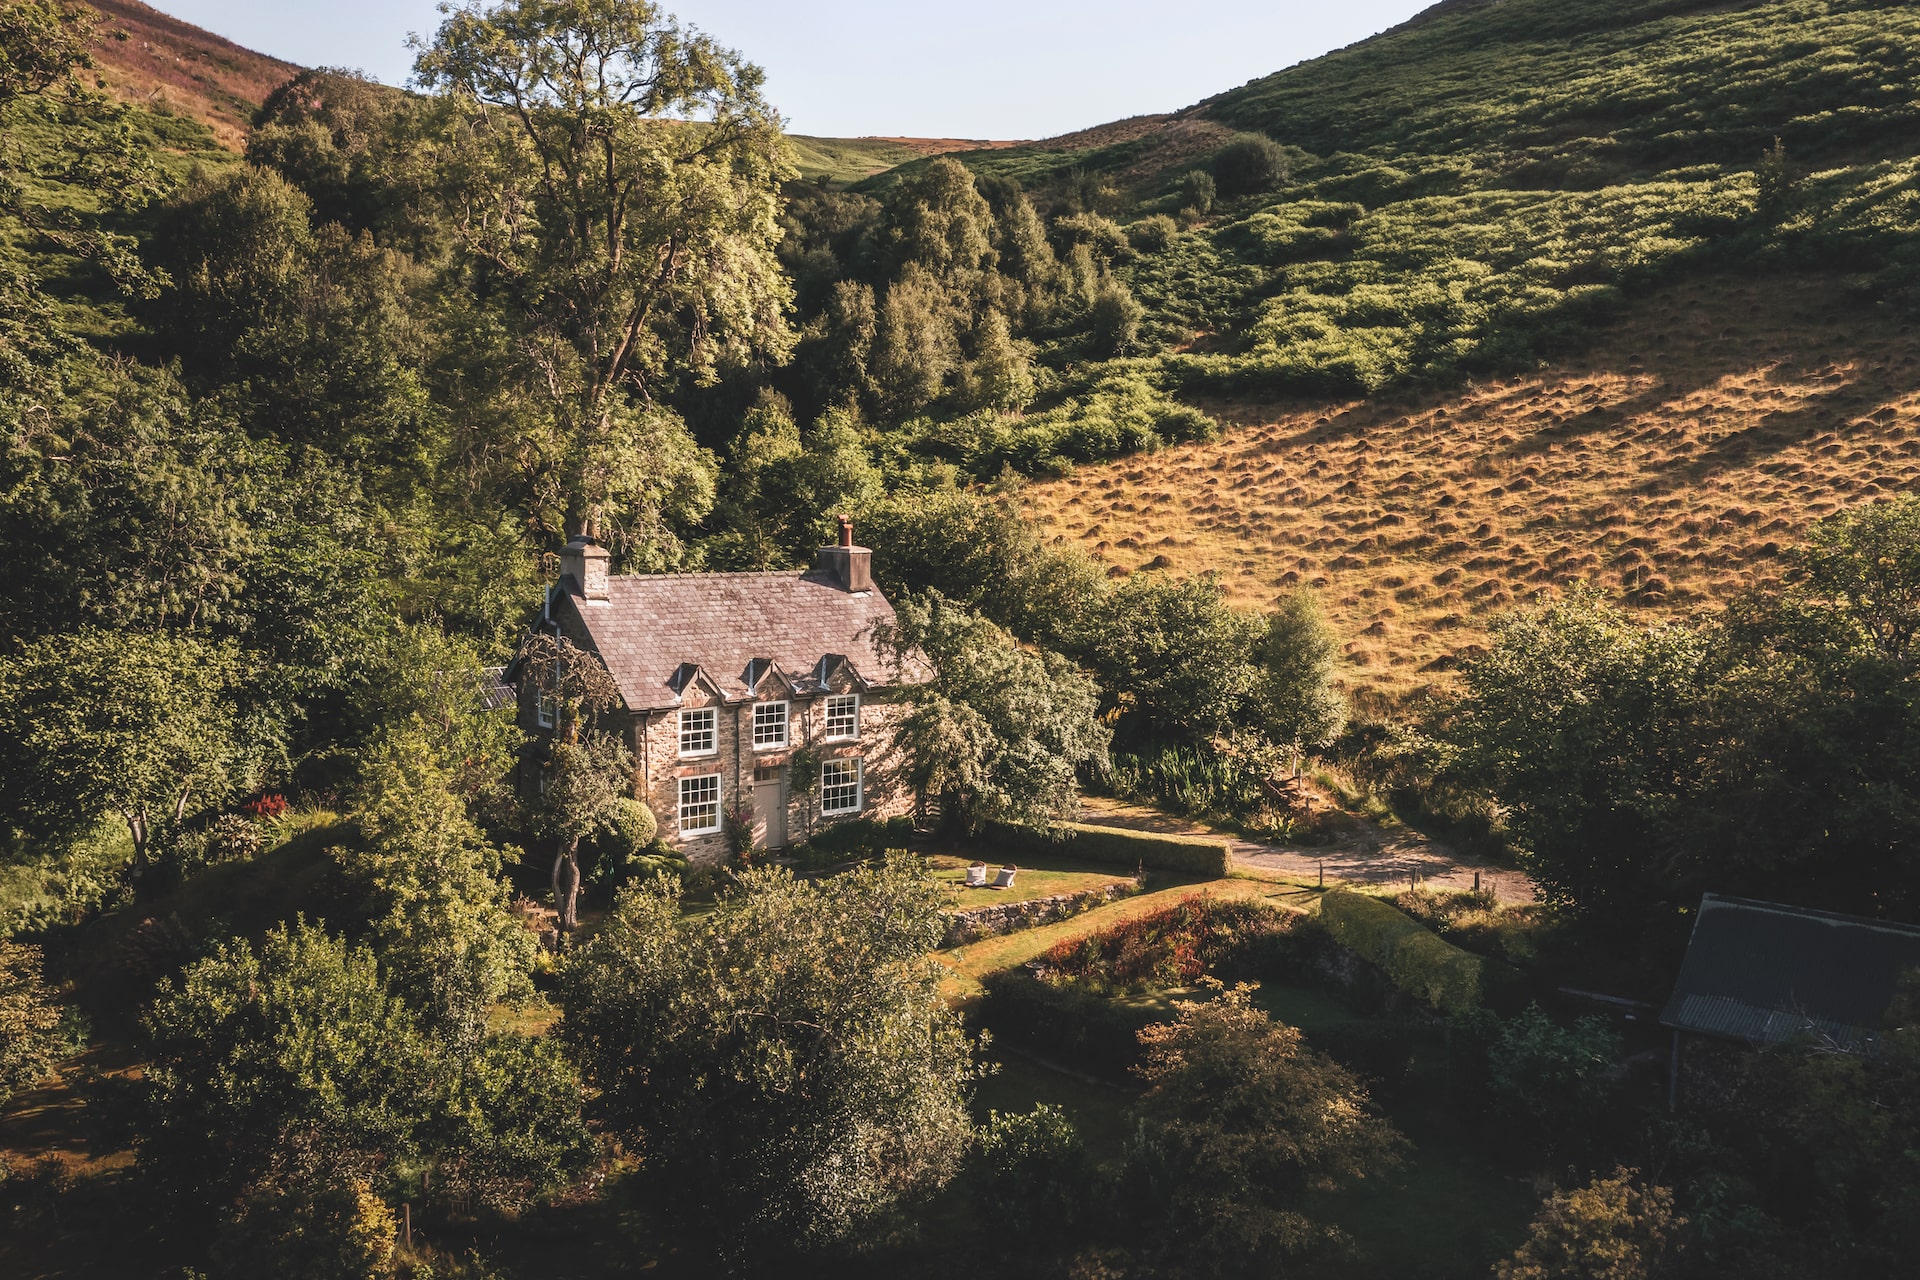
[
  {"x": 850, "y": 567},
  {"x": 584, "y": 560}
]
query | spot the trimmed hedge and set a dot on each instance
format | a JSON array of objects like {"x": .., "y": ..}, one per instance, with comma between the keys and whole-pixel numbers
[
  {"x": 1120, "y": 846},
  {"x": 1413, "y": 958}
]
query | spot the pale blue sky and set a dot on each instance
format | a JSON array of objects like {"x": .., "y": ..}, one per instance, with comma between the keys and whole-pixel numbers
[{"x": 987, "y": 69}]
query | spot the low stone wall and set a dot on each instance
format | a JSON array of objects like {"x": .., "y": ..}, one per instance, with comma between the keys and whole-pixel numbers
[{"x": 1000, "y": 918}]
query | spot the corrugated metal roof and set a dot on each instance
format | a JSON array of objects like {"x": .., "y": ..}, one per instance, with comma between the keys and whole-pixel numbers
[
  {"x": 495, "y": 692},
  {"x": 1763, "y": 972}
]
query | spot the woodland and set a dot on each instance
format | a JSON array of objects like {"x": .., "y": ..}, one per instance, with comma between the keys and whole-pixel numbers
[{"x": 298, "y": 411}]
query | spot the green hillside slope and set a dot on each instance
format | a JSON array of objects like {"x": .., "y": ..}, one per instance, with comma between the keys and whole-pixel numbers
[{"x": 1470, "y": 193}]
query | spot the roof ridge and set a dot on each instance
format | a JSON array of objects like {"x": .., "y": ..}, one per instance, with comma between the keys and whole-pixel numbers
[{"x": 712, "y": 573}]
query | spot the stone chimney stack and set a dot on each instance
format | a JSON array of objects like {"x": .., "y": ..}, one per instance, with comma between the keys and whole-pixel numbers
[
  {"x": 585, "y": 561},
  {"x": 850, "y": 567}
]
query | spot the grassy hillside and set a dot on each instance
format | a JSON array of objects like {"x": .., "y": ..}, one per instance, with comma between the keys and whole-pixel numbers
[
  {"x": 1671, "y": 462},
  {"x": 1528, "y": 308},
  {"x": 174, "y": 67}
]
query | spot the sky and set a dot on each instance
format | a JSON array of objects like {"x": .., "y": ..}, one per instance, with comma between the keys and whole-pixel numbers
[{"x": 1012, "y": 69}]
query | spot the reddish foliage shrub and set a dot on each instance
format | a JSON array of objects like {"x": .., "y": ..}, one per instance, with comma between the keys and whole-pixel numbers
[
  {"x": 269, "y": 806},
  {"x": 1171, "y": 947}
]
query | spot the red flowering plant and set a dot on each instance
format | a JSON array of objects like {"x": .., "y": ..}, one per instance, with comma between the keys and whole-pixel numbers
[
  {"x": 1173, "y": 947},
  {"x": 265, "y": 807}
]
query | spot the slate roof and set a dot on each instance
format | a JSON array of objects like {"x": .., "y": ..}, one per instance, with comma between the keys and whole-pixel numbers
[
  {"x": 1763, "y": 973},
  {"x": 655, "y": 630}
]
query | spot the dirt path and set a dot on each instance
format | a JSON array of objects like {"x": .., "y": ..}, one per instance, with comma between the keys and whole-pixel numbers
[{"x": 1368, "y": 854}]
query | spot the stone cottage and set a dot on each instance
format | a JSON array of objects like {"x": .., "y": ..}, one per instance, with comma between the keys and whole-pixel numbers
[{"x": 732, "y": 683}]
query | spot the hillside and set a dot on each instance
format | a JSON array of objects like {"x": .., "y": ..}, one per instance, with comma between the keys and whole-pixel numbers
[
  {"x": 174, "y": 67},
  {"x": 1670, "y": 463},
  {"x": 1526, "y": 309}
]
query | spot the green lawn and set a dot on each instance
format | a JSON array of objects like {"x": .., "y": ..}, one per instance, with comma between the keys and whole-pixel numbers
[{"x": 1030, "y": 882}]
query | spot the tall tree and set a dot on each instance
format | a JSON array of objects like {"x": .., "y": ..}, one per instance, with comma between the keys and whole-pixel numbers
[
  {"x": 99, "y": 722},
  {"x": 625, "y": 203},
  {"x": 996, "y": 731}
]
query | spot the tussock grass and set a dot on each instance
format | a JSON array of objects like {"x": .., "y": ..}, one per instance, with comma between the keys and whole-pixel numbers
[{"x": 1708, "y": 426}]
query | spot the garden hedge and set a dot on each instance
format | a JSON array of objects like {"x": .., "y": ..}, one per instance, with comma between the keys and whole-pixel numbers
[
  {"x": 1412, "y": 957},
  {"x": 1119, "y": 846}
]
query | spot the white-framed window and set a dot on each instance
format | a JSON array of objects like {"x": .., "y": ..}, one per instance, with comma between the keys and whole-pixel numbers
[
  {"x": 700, "y": 805},
  {"x": 769, "y": 725},
  {"x": 842, "y": 717},
  {"x": 545, "y": 709},
  {"x": 700, "y": 732},
  {"x": 840, "y": 786}
]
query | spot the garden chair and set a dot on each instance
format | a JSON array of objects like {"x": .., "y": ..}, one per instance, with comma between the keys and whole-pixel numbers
[
  {"x": 977, "y": 875},
  {"x": 1004, "y": 880}
]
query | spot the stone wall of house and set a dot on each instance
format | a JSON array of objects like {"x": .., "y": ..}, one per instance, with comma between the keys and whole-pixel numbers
[{"x": 659, "y": 766}]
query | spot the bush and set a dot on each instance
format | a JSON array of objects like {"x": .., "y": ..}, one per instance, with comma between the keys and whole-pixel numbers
[
  {"x": 1412, "y": 958},
  {"x": 1552, "y": 1081},
  {"x": 1153, "y": 234},
  {"x": 1118, "y": 846},
  {"x": 853, "y": 840},
  {"x": 1197, "y": 191},
  {"x": 1251, "y": 163},
  {"x": 1034, "y": 1176},
  {"x": 336, "y": 1230},
  {"x": 1170, "y": 947},
  {"x": 1113, "y": 321}
]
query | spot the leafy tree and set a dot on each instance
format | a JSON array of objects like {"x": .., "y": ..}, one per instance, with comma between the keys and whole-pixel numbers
[
  {"x": 915, "y": 345},
  {"x": 125, "y": 505},
  {"x": 29, "y": 1020},
  {"x": 631, "y": 248},
  {"x": 1113, "y": 321},
  {"x": 1172, "y": 657},
  {"x": 140, "y": 726},
  {"x": 288, "y": 1066},
  {"x": 446, "y": 936},
  {"x": 586, "y": 781},
  {"x": 784, "y": 487},
  {"x": 997, "y": 731},
  {"x": 786, "y": 1058},
  {"x": 1294, "y": 697},
  {"x": 999, "y": 375},
  {"x": 935, "y": 220},
  {"x": 1865, "y": 566},
  {"x": 1575, "y": 718},
  {"x": 977, "y": 552},
  {"x": 1240, "y": 1122},
  {"x": 1611, "y": 1229}
]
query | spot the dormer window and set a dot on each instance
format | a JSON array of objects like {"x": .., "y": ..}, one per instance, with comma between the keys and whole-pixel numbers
[
  {"x": 769, "y": 726},
  {"x": 700, "y": 732},
  {"x": 842, "y": 717}
]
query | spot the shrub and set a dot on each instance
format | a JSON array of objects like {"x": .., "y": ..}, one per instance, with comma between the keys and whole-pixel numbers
[
  {"x": 853, "y": 840},
  {"x": 1118, "y": 846},
  {"x": 1170, "y": 947},
  {"x": 1153, "y": 234},
  {"x": 1113, "y": 321},
  {"x": 337, "y": 1230},
  {"x": 1197, "y": 191},
  {"x": 1412, "y": 958},
  {"x": 1249, "y": 164},
  {"x": 1554, "y": 1081},
  {"x": 1610, "y": 1229},
  {"x": 29, "y": 1020},
  {"x": 1034, "y": 1177}
]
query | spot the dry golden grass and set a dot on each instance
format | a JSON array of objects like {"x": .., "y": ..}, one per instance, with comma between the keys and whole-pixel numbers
[{"x": 1699, "y": 436}]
